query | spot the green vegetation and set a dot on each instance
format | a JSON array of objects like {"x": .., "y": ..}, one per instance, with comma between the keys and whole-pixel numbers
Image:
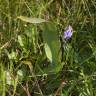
[{"x": 35, "y": 60}]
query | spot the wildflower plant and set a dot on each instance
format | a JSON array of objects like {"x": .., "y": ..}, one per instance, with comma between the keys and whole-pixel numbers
[
  {"x": 35, "y": 46},
  {"x": 67, "y": 35}
]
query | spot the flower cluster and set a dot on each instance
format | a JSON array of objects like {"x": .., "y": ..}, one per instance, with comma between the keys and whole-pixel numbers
[{"x": 68, "y": 33}]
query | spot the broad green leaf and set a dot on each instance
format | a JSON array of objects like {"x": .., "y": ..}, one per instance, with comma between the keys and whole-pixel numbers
[
  {"x": 48, "y": 52},
  {"x": 50, "y": 37},
  {"x": 20, "y": 41},
  {"x": 20, "y": 74},
  {"x": 31, "y": 20},
  {"x": 8, "y": 78}
]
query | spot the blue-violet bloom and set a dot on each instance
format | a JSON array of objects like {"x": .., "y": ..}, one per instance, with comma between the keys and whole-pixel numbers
[{"x": 68, "y": 33}]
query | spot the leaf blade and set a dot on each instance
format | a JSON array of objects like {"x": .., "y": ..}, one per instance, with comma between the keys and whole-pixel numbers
[{"x": 31, "y": 20}]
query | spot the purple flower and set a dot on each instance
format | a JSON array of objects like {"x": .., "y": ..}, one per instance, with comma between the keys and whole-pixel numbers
[{"x": 68, "y": 33}]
